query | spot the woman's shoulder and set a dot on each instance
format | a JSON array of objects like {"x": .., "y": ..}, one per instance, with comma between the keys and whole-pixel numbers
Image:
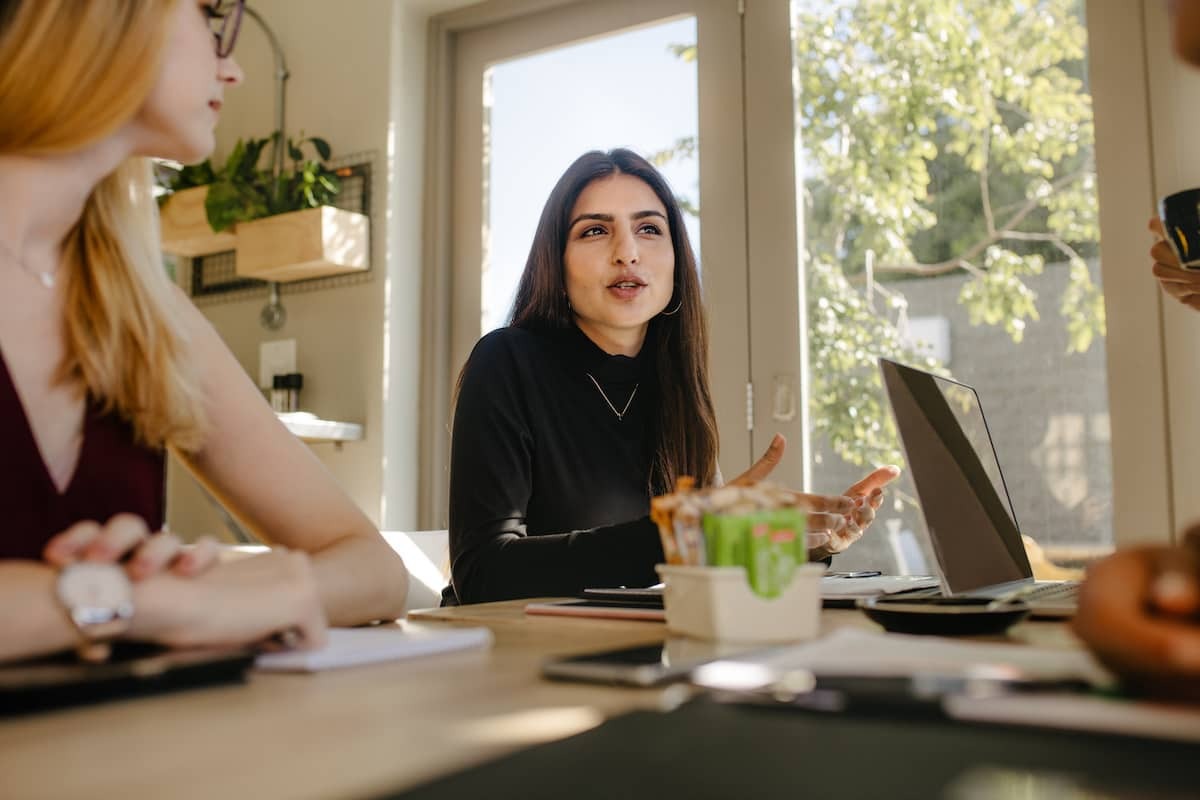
[{"x": 508, "y": 348}]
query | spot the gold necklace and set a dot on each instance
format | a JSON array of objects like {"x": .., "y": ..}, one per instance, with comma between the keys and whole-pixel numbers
[
  {"x": 620, "y": 414},
  {"x": 47, "y": 279}
]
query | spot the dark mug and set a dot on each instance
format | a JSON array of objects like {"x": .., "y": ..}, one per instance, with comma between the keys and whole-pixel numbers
[{"x": 1180, "y": 213}]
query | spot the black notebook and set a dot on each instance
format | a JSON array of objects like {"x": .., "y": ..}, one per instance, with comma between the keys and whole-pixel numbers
[{"x": 133, "y": 671}]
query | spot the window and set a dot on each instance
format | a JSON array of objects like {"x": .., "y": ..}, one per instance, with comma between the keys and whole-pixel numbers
[
  {"x": 949, "y": 195},
  {"x": 874, "y": 178}
]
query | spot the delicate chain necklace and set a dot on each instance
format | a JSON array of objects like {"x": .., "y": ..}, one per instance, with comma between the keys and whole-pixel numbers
[
  {"x": 47, "y": 279},
  {"x": 620, "y": 414}
]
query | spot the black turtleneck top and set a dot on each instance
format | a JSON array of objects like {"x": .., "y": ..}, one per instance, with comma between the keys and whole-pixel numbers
[{"x": 549, "y": 489}]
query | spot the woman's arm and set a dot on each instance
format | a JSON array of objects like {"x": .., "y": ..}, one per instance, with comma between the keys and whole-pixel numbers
[
  {"x": 33, "y": 622},
  {"x": 243, "y": 602},
  {"x": 492, "y": 564},
  {"x": 273, "y": 484},
  {"x": 491, "y": 482}
]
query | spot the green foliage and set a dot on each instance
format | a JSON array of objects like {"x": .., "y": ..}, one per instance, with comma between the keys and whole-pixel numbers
[
  {"x": 846, "y": 336},
  {"x": 944, "y": 136},
  {"x": 685, "y": 148},
  {"x": 997, "y": 295},
  {"x": 171, "y": 177},
  {"x": 242, "y": 191},
  {"x": 939, "y": 136}
]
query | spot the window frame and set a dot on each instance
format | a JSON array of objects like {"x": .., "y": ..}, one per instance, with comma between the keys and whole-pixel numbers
[{"x": 1147, "y": 346}]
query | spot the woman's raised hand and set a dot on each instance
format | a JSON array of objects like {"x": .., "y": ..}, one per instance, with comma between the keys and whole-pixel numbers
[
  {"x": 865, "y": 498},
  {"x": 761, "y": 469}
]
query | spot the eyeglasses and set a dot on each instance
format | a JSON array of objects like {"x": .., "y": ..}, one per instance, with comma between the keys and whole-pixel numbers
[{"x": 225, "y": 20}]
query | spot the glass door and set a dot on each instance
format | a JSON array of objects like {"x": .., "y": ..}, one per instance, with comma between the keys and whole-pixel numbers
[{"x": 534, "y": 92}]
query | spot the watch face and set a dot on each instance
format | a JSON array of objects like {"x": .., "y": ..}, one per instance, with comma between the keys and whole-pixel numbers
[{"x": 94, "y": 586}]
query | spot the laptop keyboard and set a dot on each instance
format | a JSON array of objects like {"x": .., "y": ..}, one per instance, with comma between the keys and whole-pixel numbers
[
  {"x": 1066, "y": 591},
  {"x": 1050, "y": 593}
]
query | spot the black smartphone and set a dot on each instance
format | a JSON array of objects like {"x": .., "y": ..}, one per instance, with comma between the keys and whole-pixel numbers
[{"x": 645, "y": 665}]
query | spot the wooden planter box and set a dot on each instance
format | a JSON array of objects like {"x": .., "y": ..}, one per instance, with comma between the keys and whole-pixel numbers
[
  {"x": 313, "y": 243},
  {"x": 185, "y": 228}
]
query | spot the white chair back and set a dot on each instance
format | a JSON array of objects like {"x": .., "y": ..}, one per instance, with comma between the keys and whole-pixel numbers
[{"x": 427, "y": 556}]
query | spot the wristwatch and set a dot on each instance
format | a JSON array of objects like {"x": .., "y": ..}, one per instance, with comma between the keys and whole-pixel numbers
[{"x": 98, "y": 599}]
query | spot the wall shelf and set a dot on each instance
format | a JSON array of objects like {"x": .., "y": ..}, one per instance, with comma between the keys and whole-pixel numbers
[{"x": 314, "y": 430}]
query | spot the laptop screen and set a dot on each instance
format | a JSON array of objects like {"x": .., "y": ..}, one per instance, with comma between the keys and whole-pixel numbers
[{"x": 967, "y": 510}]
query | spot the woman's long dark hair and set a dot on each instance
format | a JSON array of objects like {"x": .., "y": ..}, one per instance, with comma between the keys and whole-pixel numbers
[{"x": 684, "y": 423}]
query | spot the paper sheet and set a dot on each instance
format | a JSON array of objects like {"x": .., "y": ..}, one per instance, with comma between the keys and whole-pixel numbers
[
  {"x": 849, "y": 651},
  {"x": 861, "y": 652},
  {"x": 348, "y": 647},
  {"x": 873, "y": 587},
  {"x": 1083, "y": 713}
]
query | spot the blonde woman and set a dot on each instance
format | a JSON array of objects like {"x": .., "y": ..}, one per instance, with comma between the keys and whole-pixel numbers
[{"x": 105, "y": 365}]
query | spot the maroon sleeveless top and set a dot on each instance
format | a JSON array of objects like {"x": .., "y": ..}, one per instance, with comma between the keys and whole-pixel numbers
[{"x": 114, "y": 474}]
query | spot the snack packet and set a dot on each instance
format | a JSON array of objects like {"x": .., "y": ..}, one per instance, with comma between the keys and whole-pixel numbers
[{"x": 757, "y": 527}]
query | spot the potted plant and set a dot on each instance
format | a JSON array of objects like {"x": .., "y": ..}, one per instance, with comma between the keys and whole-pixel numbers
[
  {"x": 286, "y": 229},
  {"x": 182, "y": 215}
]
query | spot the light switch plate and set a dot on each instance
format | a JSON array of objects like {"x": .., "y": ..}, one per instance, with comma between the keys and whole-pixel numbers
[{"x": 275, "y": 358}]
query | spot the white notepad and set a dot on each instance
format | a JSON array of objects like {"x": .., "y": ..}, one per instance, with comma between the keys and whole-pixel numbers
[{"x": 350, "y": 647}]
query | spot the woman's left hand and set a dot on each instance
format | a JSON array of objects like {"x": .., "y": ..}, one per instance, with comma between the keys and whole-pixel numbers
[
  {"x": 867, "y": 495},
  {"x": 125, "y": 539}
]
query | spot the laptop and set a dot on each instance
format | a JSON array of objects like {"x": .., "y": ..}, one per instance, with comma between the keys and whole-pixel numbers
[{"x": 968, "y": 512}]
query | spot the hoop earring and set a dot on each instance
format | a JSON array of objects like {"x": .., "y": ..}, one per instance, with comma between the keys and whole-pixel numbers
[{"x": 673, "y": 311}]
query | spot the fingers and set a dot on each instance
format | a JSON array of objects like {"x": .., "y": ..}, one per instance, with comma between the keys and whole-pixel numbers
[
  {"x": 817, "y": 540},
  {"x": 878, "y": 478},
  {"x": 840, "y": 541},
  {"x": 1176, "y": 592},
  {"x": 69, "y": 545},
  {"x": 202, "y": 556},
  {"x": 159, "y": 550},
  {"x": 122, "y": 534},
  {"x": 1156, "y": 227},
  {"x": 1166, "y": 264},
  {"x": 825, "y": 523},
  {"x": 829, "y": 504},
  {"x": 1175, "y": 589},
  {"x": 311, "y": 624},
  {"x": 1188, "y": 294},
  {"x": 864, "y": 514},
  {"x": 1113, "y": 619},
  {"x": 765, "y": 465},
  {"x": 92, "y": 542},
  {"x": 126, "y": 538}
]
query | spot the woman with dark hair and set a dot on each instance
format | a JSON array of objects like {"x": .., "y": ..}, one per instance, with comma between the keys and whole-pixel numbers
[{"x": 595, "y": 399}]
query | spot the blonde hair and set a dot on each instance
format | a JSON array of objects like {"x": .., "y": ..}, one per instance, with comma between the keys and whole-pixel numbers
[{"x": 71, "y": 73}]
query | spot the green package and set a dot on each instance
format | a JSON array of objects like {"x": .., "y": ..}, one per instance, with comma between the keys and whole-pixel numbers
[
  {"x": 725, "y": 539},
  {"x": 794, "y": 521},
  {"x": 760, "y": 559},
  {"x": 768, "y": 545}
]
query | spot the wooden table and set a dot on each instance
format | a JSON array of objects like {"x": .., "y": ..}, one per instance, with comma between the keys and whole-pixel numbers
[{"x": 346, "y": 733}]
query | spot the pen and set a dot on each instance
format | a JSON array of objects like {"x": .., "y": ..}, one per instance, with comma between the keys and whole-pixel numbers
[{"x": 867, "y": 573}]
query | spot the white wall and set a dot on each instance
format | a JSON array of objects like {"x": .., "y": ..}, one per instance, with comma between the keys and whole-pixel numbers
[{"x": 358, "y": 80}]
